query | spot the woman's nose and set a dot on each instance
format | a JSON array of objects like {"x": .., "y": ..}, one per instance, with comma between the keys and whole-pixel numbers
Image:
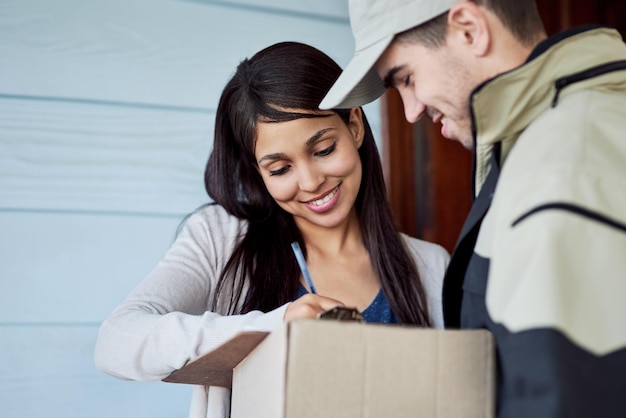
[{"x": 310, "y": 178}]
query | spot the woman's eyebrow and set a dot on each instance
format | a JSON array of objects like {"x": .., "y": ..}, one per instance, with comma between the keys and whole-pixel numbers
[
  {"x": 317, "y": 136},
  {"x": 280, "y": 156},
  {"x": 272, "y": 157}
]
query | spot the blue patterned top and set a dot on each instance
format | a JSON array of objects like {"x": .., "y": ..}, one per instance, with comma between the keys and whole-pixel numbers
[{"x": 378, "y": 311}]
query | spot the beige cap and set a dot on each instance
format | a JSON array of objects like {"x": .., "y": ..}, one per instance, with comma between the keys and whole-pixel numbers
[{"x": 374, "y": 24}]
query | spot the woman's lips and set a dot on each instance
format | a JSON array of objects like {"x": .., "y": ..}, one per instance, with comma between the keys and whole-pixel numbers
[{"x": 324, "y": 203}]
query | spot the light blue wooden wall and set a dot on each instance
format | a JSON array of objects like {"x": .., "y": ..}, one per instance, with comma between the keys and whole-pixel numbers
[{"x": 106, "y": 119}]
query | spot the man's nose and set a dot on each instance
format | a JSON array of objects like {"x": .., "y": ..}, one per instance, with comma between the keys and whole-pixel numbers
[{"x": 413, "y": 109}]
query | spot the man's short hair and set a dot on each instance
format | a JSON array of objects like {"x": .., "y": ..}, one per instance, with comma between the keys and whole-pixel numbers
[{"x": 520, "y": 17}]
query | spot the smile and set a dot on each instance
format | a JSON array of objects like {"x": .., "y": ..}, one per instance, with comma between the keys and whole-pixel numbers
[
  {"x": 438, "y": 118},
  {"x": 325, "y": 199}
]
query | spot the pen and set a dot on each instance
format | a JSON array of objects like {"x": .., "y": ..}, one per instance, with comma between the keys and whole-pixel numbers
[{"x": 303, "y": 267}]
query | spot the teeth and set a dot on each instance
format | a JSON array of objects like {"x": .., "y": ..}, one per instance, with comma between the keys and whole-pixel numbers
[{"x": 325, "y": 199}]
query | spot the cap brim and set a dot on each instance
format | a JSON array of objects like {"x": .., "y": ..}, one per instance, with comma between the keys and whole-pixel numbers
[{"x": 359, "y": 83}]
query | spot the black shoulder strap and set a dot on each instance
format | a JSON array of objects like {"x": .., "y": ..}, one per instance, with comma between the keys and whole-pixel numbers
[{"x": 455, "y": 274}]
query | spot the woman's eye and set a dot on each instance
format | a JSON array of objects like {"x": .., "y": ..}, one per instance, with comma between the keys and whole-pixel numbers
[
  {"x": 407, "y": 81},
  {"x": 280, "y": 171},
  {"x": 326, "y": 151}
]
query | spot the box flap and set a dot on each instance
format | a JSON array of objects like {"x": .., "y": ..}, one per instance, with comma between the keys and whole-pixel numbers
[{"x": 216, "y": 367}]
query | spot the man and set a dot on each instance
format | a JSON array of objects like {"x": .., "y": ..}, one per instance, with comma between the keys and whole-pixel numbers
[{"x": 541, "y": 260}]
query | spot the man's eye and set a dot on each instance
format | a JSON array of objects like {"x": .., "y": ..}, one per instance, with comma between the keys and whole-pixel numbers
[
  {"x": 326, "y": 151},
  {"x": 280, "y": 171}
]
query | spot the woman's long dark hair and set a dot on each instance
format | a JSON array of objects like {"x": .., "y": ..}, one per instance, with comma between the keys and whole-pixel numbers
[{"x": 291, "y": 75}]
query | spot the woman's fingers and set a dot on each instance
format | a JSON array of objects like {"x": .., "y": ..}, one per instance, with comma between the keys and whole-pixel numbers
[{"x": 309, "y": 306}]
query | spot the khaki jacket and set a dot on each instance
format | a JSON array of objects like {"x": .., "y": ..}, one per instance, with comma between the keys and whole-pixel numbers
[{"x": 542, "y": 258}]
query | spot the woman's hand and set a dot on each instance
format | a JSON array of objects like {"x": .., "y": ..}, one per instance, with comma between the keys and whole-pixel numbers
[{"x": 309, "y": 306}]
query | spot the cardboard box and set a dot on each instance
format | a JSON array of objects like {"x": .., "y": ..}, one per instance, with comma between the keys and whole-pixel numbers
[{"x": 314, "y": 368}]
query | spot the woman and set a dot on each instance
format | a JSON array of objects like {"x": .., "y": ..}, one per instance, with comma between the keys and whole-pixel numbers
[{"x": 281, "y": 171}]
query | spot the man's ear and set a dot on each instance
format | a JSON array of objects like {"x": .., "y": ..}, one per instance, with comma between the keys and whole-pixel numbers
[
  {"x": 356, "y": 126},
  {"x": 468, "y": 27}
]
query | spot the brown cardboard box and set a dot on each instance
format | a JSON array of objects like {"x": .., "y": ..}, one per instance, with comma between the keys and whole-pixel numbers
[{"x": 314, "y": 369}]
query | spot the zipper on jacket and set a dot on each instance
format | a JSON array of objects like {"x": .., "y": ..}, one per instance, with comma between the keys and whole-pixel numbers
[{"x": 563, "y": 82}]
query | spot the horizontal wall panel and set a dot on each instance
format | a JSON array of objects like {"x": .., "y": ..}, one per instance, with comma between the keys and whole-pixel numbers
[
  {"x": 49, "y": 372},
  {"x": 158, "y": 51},
  {"x": 89, "y": 156},
  {"x": 323, "y": 10},
  {"x": 73, "y": 267}
]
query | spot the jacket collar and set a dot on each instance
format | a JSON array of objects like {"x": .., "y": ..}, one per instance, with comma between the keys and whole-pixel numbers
[{"x": 505, "y": 105}]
